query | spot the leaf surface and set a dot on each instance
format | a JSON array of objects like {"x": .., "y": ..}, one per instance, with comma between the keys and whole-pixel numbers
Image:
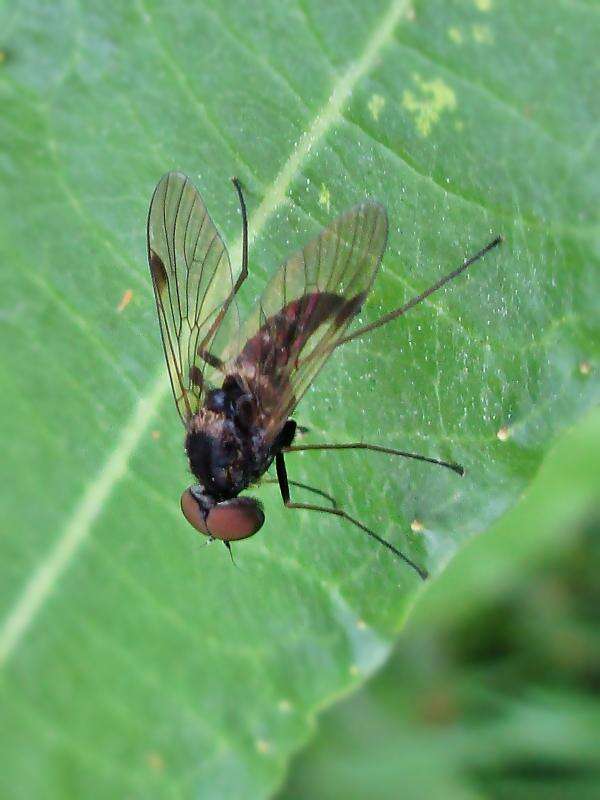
[{"x": 134, "y": 660}]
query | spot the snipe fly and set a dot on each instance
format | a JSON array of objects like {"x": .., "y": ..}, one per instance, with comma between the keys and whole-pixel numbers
[{"x": 236, "y": 385}]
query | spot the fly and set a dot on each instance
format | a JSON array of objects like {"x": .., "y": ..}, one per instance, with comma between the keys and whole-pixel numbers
[{"x": 237, "y": 385}]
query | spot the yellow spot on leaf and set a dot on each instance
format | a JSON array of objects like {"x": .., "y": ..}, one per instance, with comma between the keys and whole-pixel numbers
[
  {"x": 503, "y": 433},
  {"x": 376, "y": 104},
  {"x": 585, "y": 368},
  {"x": 417, "y": 526},
  {"x": 284, "y": 706},
  {"x": 455, "y": 35},
  {"x": 436, "y": 96},
  {"x": 325, "y": 197},
  {"x": 125, "y": 300},
  {"x": 354, "y": 670},
  {"x": 409, "y": 14},
  {"x": 483, "y": 5},
  {"x": 482, "y": 34},
  {"x": 262, "y": 746},
  {"x": 459, "y": 125},
  {"x": 155, "y": 761},
  {"x": 2, "y": 56},
  {"x": 155, "y": 435},
  {"x": 361, "y": 624}
]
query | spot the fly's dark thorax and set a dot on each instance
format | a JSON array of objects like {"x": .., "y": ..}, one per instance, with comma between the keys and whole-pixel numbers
[{"x": 224, "y": 442}]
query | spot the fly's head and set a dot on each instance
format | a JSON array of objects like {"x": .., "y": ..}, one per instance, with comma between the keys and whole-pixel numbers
[{"x": 228, "y": 520}]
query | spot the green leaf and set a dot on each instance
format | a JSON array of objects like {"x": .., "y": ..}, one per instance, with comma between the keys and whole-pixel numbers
[
  {"x": 492, "y": 692},
  {"x": 134, "y": 660}
]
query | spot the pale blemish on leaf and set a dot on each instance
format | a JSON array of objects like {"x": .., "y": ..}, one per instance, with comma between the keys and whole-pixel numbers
[
  {"x": 455, "y": 35},
  {"x": 482, "y": 34},
  {"x": 436, "y": 97},
  {"x": 483, "y": 5},
  {"x": 155, "y": 435},
  {"x": 585, "y": 368},
  {"x": 503, "y": 433},
  {"x": 325, "y": 197},
  {"x": 361, "y": 624},
  {"x": 284, "y": 706},
  {"x": 262, "y": 746},
  {"x": 417, "y": 526},
  {"x": 125, "y": 300},
  {"x": 459, "y": 125},
  {"x": 354, "y": 670},
  {"x": 375, "y": 106}
]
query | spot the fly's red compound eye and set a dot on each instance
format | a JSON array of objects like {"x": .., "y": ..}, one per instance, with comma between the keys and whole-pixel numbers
[
  {"x": 236, "y": 519},
  {"x": 193, "y": 513}
]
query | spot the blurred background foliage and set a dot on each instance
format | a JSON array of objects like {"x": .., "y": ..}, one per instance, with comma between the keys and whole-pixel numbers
[{"x": 494, "y": 688}]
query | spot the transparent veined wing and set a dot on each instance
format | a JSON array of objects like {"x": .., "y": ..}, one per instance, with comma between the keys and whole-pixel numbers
[
  {"x": 192, "y": 280},
  {"x": 306, "y": 309}
]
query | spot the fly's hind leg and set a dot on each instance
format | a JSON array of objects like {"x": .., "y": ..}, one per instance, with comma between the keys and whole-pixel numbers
[
  {"x": 305, "y": 486},
  {"x": 338, "y": 512}
]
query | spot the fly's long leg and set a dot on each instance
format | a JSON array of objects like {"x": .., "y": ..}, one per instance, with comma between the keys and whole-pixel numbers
[
  {"x": 377, "y": 448},
  {"x": 241, "y": 277},
  {"x": 305, "y": 486},
  {"x": 423, "y": 296},
  {"x": 338, "y": 512}
]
